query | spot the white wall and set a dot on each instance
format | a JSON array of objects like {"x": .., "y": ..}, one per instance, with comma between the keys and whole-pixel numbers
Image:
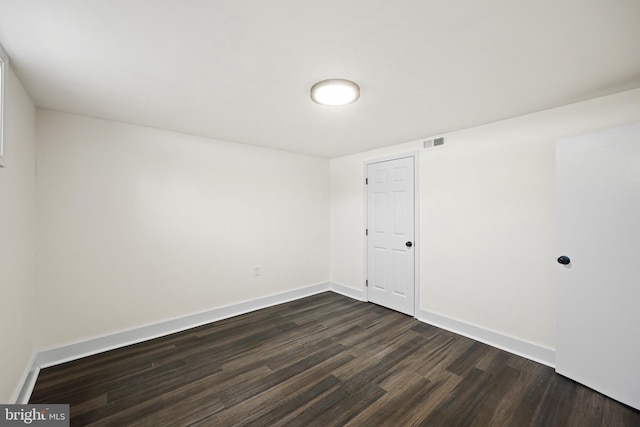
[
  {"x": 139, "y": 225},
  {"x": 17, "y": 238},
  {"x": 486, "y": 223}
]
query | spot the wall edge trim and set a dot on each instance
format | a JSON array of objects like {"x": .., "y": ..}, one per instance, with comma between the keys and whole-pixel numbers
[
  {"x": 519, "y": 347},
  {"x": 27, "y": 381},
  {"x": 68, "y": 352},
  {"x": 348, "y": 291}
]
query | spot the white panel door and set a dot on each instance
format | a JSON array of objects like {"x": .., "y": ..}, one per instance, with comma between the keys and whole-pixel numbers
[
  {"x": 390, "y": 238},
  {"x": 598, "y": 291}
]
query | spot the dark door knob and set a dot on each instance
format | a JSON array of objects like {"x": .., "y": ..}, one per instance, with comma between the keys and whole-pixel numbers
[
  {"x": 409, "y": 244},
  {"x": 564, "y": 260}
]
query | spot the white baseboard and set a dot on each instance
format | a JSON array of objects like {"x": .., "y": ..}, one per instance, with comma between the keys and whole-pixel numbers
[
  {"x": 535, "y": 352},
  {"x": 27, "y": 382},
  {"x": 348, "y": 291},
  {"x": 77, "y": 350}
]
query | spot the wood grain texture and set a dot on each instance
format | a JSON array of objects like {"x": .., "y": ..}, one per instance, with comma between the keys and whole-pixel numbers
[{"x": 325, "y": 360}]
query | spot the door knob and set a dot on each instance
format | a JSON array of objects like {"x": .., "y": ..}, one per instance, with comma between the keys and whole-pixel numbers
[
  {"x": 564, "y": 260},
  {"x": 409, "y": 244}
]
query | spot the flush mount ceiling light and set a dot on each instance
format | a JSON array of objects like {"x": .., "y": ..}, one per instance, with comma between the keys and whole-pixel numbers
[{"x": 335, "y": 92}]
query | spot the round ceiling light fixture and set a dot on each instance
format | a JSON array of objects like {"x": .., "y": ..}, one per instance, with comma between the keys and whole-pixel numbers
[{"x": 335, "y": 92}]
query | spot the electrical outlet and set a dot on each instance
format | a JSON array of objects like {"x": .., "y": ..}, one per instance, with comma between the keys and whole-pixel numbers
[{"x": 257, "y": 270}]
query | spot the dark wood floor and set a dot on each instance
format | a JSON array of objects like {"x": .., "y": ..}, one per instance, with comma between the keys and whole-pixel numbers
[{"x": 324, "y": 360}]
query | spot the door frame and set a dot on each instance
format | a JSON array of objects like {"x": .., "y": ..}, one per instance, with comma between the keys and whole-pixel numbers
[{"x": 415, "y": 155}]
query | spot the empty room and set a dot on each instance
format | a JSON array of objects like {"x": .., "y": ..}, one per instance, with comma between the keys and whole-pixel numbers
[{"x": 295, "y": 213}]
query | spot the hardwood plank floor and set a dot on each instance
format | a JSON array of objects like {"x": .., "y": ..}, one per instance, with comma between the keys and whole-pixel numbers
[{"x": 325, "y": 360}]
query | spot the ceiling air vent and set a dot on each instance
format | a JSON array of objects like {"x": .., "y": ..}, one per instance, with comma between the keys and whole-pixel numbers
[{"x": 430, "y": 143}]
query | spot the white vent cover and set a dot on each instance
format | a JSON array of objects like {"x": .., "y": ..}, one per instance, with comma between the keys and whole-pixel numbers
[{"x": 430, "y": 143}]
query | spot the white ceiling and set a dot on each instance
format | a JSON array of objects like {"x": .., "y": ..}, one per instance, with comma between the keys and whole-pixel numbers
[{"x": 240, "y": 70}]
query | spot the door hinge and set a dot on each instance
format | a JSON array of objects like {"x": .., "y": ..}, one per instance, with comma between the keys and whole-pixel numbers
[
  {"x": 366, "y": 181},
  {"x": 366, "y": 283},
  {"x": 366, "y": 231}
]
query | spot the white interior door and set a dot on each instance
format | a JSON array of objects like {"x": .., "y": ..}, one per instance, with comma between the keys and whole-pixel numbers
[
  {"x": 598, "y": 291},
  {"x": 390, "y": 234}
]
